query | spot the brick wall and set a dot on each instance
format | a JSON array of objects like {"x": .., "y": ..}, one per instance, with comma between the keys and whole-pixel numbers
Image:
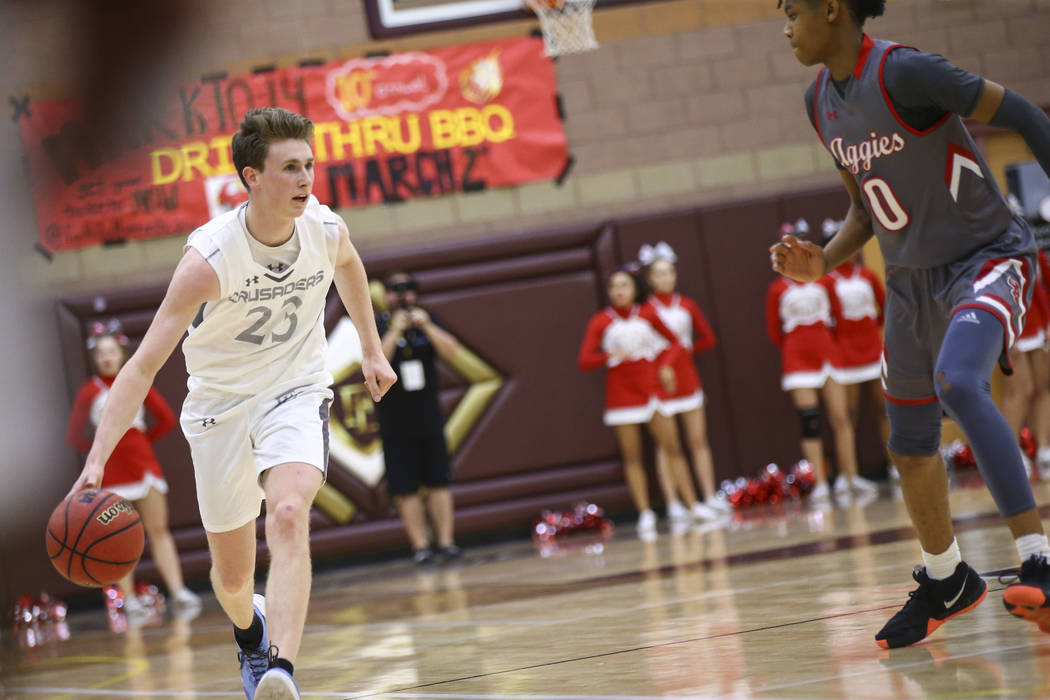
[{"x": 685, "y": 102}]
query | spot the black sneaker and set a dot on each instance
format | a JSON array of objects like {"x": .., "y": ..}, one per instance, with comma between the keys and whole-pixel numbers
[
  {"x": 450, "y": 553},
  {"x": 931, "y": 605},
  {"x": 425, "y": 557},
  {"x": 1029, "y": 597}
]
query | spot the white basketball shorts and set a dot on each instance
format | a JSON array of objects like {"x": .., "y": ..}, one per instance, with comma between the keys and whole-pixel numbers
[{"x": 232, "y": 446}]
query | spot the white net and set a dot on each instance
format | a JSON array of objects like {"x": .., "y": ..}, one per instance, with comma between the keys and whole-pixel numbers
[{"x": 566, "y": 25}]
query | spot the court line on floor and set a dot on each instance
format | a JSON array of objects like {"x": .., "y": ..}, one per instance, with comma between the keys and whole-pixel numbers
[
  {"x": 617, "y": 652},
  {"x": 646, "y": 647},
  {"x": 708, "y": 594},
  {"x": 826, "y": 546}
]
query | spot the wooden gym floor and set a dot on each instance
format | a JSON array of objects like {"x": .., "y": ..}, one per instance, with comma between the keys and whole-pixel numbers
[{"x": 780, "y": 604}]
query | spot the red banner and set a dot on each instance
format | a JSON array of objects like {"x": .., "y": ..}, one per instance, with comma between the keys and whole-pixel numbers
[{"x": 456, "y": 119}]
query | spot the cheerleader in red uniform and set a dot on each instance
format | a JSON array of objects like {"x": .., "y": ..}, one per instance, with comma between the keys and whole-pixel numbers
[
  {"x": 1026, "y": 393},
  {"x": 861, "y": 298},
  {"x": 626, "y": 339},
  {"x": 798, "y": 321},
  {"x": 132, "y": 472},
  {"x": 682, "y": 315}
]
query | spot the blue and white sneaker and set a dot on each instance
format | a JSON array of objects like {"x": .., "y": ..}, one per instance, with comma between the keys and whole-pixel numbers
[
  {"x": 277, "y": 684},
  {"x": 255, "y": 662}
]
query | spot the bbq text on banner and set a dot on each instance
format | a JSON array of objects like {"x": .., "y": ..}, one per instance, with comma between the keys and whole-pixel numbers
[{"x": 387, "y": 129}]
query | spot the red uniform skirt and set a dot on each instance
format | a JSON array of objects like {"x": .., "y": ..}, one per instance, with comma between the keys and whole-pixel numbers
[
  {"x": 133, "y": 470},
  {"x": 808, "y": 356},
  {"x": 688, "y": 394},
  {"x": 860, "y": 352},
  {"x": 631, "y": 393}
]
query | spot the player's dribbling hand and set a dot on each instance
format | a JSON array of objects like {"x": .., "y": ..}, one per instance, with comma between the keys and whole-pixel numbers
[
  {"x": 90, "y": 477},
  {"x": 799, "y": 260},
  {"x": 379, "y": 375}
]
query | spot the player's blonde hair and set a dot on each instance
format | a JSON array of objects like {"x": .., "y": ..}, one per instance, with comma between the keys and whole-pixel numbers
[{"x": 261, "y": 127}]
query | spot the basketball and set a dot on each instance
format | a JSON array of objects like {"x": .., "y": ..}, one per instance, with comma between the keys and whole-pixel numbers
[{"x": 95, "y": 537}]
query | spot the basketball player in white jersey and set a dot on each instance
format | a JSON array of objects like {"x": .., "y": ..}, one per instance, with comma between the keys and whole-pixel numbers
[{"x": 251, "y": 289}]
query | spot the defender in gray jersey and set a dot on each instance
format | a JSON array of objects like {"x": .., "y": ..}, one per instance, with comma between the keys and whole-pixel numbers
[
  {"x": 959, "y": 271},
  {"x": 251, "y": 289}
]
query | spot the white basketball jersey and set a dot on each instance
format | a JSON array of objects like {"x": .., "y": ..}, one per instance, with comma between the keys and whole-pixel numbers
[
  {"x": 804, "y": 305},
  {"x": 266, "y": 331}
]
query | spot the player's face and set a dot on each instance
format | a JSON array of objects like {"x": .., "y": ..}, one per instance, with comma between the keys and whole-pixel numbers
[
  {"x": 662, "y": 276},
  {"x": 284, "y": 184},
  {"x": 109, "y": 356},
  {"x": 807, "y": 30},
  {"x": 621, "y": 289}
]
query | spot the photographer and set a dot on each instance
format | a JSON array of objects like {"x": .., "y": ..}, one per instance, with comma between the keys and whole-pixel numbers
[{"x": 410, "y": 419}]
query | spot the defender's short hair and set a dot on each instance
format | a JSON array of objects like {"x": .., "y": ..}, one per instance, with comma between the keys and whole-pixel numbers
[{"x": 860, "y": 9}]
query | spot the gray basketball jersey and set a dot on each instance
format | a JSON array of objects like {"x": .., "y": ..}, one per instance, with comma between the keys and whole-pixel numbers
[{"x": 930, "y": 194}]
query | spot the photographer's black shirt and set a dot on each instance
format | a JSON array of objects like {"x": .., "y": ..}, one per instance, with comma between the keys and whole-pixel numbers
[{"x": 411, "y": 406}]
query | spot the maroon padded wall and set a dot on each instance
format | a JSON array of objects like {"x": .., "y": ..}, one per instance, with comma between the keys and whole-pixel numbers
[{"x": 521, "y": 303}]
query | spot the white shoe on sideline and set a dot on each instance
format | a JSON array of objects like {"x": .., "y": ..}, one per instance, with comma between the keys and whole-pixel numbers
[
  {"x": 133, "y": 606},
  {"x": 677, "y": 511},
  {"x": 702, "y": 511},
  {"x": 719, "y": 502},
  {"x": 820, "y": 492},
  {"x": 1044, "y": 469},
  {"x": 646, "y": 524},
  {"x": 864, "y": 485},
  {"x": 185, "y": 598}
]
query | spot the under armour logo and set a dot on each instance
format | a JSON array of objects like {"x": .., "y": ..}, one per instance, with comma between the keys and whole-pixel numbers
[
  {"x": 969, "y": 317},
  {"x": 833, "y": 114},
  {"x": 207, "y": 422},
  {"x": 254, "y": 279},
  {"x": 276, "y": 268}
]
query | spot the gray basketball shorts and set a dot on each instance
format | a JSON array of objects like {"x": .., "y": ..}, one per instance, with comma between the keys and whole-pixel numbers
[{"x": 921, "y": 302}]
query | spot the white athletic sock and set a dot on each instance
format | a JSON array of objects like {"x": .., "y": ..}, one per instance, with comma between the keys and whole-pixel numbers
[
  {"x": 941, "y": 566},
  {"x": 1032, "y": 545},
  {"x": 1043, "y": 454}
]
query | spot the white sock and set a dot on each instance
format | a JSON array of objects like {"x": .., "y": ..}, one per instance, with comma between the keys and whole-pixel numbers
[
  {"x": 1032, "y": 545},
  {"x": 941, "y": 566},
  {"x": 1043, "y": 454}
]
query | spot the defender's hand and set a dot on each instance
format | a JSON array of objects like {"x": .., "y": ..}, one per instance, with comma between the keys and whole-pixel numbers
[{"x": 799, "y": 260}]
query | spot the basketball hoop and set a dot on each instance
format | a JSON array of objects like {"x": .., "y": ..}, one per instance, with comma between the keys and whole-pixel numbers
[{"x": 566, "y": 25}]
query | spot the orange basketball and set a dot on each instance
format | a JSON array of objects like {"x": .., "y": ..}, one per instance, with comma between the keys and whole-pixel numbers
[{"x": 95, "y": 537}]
